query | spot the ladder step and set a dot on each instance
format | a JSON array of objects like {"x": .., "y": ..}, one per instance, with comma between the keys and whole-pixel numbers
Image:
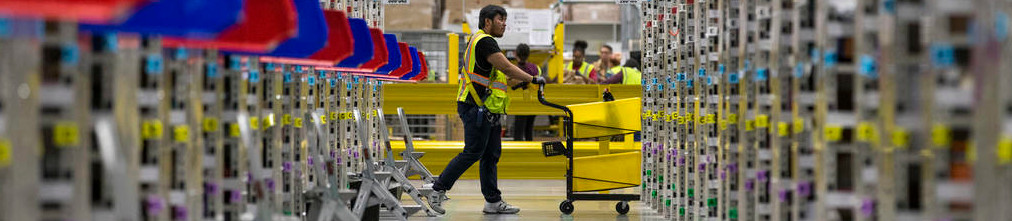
[
  {"x": 400, "y": 163},
  {"x": 382, "y": 175},
  {"x": 412, "y": 209},
  {"x": 417, "y": 155},
  {"x": 425, "y": 191},
  {"x": 347, "y": 195}
]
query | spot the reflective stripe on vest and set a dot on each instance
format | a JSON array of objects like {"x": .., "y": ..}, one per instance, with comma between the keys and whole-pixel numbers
[{"x": 470, "y": 64}]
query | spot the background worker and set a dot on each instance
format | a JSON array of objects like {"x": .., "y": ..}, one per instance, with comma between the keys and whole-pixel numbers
[
  {"x": 622, "y": 74},
  {"x": 523, "y": 125},
  {"x": 579, "y": 71},
  {"x": 603, "y": 65},
  {"x": 481, "y": 101}
]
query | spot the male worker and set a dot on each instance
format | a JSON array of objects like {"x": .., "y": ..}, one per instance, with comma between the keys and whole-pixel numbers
[
  {"x": 604, "y": 64},
  {"x": 481, "y": 103},
  {"x": 579, "y": 71}
]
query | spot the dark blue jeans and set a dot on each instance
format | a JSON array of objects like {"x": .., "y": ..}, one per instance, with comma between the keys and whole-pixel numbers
[{"x": 482, "y": 142}]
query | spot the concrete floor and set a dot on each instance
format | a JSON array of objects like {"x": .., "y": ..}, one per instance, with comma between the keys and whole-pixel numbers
[{"x": 537, "y": 199}]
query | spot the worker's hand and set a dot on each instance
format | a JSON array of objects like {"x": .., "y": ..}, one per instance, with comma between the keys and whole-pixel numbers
[{"x": 538, "y": 80}]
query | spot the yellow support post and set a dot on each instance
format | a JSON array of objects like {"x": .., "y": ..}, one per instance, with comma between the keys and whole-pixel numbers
[
  {"x": 452, "y": 50},
  {"x": 555, "y": 64}
]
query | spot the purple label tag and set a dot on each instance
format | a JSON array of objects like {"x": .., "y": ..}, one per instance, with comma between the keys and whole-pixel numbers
[
  {"x": 356, "y": 154},
  {"x": 249, "y": 177},
  {"x": 338, "y": 160},
  {"x": 286, "y": 167},
  {"x": 805, "y": 188},
  {"x": 867, "y": 207},
  {"x": 235, "y": 196},
  {"x": 153, "y": 204},
  {"x": 762, "y": 175},
  {"x": 723, "y": 175},
  {"x": 783, "y": 195},
  {"x": 211, "y": 188},
  {"x": 749, "y": 184},
  {"x": 733, "y": 167},
  {"x": 681, "y": 160},
  {"x": 270, "y": 184},
  {"x": 309, "y": 159},
  {"x": 702, "y": 167},
  {"x": 333, "y": 154},
  {"x": 179, "y": 213}
]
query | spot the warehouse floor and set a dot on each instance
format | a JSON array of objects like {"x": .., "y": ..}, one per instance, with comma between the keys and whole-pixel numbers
[{"x": 537, "y": 199}]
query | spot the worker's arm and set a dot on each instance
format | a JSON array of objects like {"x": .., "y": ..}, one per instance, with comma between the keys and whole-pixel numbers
[
  {"x": 614, "y": 79},
  {"x": 500, "y": 63}
]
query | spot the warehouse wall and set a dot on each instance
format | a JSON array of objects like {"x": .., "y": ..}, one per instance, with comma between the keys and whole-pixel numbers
[{"x": 422, "y": 19}]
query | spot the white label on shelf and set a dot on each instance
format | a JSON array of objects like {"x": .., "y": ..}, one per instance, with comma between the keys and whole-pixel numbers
[
  {"x": 869, "y": 175},
  {"x": 840, "y": 200},
  {"x": 210, "y": 161},
  {"x": 56, "y": 191},
  {"x": 148, "y": 97},
  {"x": 763, "y": 208},
  {"x": 765, "y": 154},
  {"x": 177, "y": 117},
  {"x": 209, "y": 97},
  {"x": 396, "y": 2},
  {"x": 177, "y": 197},
  {"x": 148, "y": 174},
  {"x": 806, "y": 161},
  {"x": 953, "y": 191},
  {"x": 52, "y": 95}
]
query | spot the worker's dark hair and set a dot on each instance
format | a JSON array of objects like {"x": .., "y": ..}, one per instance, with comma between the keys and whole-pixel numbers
[
  {"x": 608, "y": 47},
  {"x": 523, "y": 51},
  {"x": 580, "y": 45},
  {"x": 489, "y": 12}
]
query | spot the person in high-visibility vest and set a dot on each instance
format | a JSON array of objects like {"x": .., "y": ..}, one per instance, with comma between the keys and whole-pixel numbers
[
  {"x": 622, "y": 74},
  {"x": 481, "y": 103},
  {"x": 579, "y": 71}
]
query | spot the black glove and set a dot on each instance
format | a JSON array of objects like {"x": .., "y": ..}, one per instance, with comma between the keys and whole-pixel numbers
[
  {"x": 521, "y": 85},
  {"x": 538, "y": 80}
]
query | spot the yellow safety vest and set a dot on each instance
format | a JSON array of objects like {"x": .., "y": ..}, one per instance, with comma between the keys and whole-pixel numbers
[
  {"x": 497, "y": 101},
  {"x": 585, "y": 69},
  {"x": 630, "y": 76}
]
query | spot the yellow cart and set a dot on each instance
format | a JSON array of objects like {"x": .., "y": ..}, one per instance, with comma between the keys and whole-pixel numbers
[{"x": 601, "y": 172}]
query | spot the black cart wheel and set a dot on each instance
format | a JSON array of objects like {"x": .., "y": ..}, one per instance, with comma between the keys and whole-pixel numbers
[
  {"x": 622, "y": 207},
  {"x": 566, "y": 207}
]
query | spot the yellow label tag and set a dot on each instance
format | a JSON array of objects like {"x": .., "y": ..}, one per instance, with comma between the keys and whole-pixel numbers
[
  {"x": 711, "y": 119},
  {"x": 298, "y": 122},
  {"x": 5, "y": 153},
  {"x": 151, "y": 129},
  {"x": 269, "y": 121},
  {"x": 733, "y": 118},
  {"x": 254, "y": 123},
  {"x": 723, "y": 124},
  {"x": 688, "y": 118},
  {"x": 799, "y": 125},
  {"x": 1005, "y": 150},
  {"x": 680, "y": 119},
  {"x": 749, "y": 125},
  {"x": 647, "y": 114},
  {"x": 286, "y": 119},
  {"x": 233, "y": 130},
  {"x": 762, "y": 121},
  {"x": 65, "y": 134},
  {"x": 833, "y": 133},
  {"x": 971, "y": 151},
  {"x": 210, "y": 124},
  {"x": 783, "y": 129},
  {"x": 940, "y": 135},
  {"x": 181, "y": 134},
  {"x": 323, "y": 119},
  {"x": 865, "y": 132},
  {"x": 347, "y": 116},
  {"x": 900, "y": 138},
  {"x": 668, "y": 117},
  {"x": 334, "y": 116}
]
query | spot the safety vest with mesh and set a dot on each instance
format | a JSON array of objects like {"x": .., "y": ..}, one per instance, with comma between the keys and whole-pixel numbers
[
  {"x": 497, "y": 100},
  {"x": 630, "y": 76},
  {"x": 584, "y": 70}
]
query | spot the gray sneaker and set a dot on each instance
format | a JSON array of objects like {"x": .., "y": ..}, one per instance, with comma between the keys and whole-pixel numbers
[
  {"x": 436, "y": 198},
  {"x": 500, "y": 207}
]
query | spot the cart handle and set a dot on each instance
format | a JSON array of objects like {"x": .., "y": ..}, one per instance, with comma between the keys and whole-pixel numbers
[{"x": 541, "y": 98}]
